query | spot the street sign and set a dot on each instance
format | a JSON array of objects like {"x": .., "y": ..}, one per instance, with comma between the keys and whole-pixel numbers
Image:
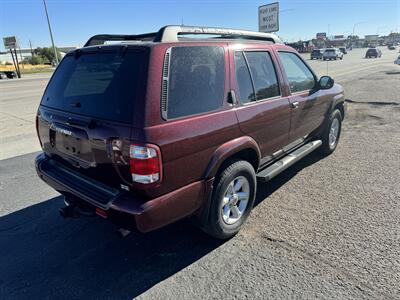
[
  {"x": 10, "y": 42},
  {"x": 268, "y": 17}
]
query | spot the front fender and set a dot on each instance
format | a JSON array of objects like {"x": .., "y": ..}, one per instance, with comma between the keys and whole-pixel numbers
[
  {"x": 229, "y": 149},
  {"x": 337, "y": 97}
]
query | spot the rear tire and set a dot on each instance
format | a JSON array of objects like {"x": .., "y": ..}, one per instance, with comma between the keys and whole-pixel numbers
[
  {"x": 232, "y": 199},
  {"x": 330, "y": 136}
]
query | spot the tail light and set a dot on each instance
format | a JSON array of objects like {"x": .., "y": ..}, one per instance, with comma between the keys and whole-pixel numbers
[
  {"x": 145, "y": 163},
  {"x": 37, "y": 130}
]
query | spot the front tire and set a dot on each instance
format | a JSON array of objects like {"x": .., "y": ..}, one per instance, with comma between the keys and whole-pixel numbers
[
  {"x": 331, "y": 134},
  {"x": 232, "y": 199}
]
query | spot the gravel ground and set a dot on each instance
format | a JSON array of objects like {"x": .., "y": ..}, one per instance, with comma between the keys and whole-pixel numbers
[{"x": 325, "y": 228}]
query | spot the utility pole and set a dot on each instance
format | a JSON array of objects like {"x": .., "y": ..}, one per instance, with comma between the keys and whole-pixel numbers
[
  {"x": 20, "y": 55},
  {"x": 30, "y": 45},
  {"x": 51, "y": 34}
]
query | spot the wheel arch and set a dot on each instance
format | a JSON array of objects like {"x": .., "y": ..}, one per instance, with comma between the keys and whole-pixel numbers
[{"x": 245, "y": 148}]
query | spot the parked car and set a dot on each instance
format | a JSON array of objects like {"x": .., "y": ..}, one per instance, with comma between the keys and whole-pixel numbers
[
  {"x": 397, "y": 61},
  {"x": 332, "y": 53},
  {"x": 373, "y": 52},
  {"x": 160, "y": 128},
  {"x": 9, "y": 74},
  {"x": 316, "y": 54},
  {"x": 343, "y": 50},
  {"x": 391, "y": 47},
  {"x": 3, "y": 75}
]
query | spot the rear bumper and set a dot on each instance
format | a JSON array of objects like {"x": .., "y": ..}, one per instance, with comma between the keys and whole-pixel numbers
[{"x": 148, "y": 214}]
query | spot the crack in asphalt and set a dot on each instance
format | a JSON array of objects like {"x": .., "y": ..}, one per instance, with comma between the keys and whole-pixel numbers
[
  {"x": 16, "y": 117},
  {"x": 345, "y": 277},
  {"x": 383, "y": 103}
]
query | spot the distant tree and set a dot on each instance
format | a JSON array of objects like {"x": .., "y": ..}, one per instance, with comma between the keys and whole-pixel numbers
[
  {"x": 47, "y": 54},
  {"x": 34, "y": 60}
]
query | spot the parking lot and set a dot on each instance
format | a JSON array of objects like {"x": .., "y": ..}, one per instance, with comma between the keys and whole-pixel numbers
[{"x": 328, "y": 227}]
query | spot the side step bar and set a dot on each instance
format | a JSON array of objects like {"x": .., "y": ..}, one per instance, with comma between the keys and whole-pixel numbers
[{"x": 284, "y": 163}]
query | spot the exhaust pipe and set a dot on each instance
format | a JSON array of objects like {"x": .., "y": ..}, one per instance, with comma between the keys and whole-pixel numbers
[
  {"x": 67, "y": 211},
  {"x": 122, "y": 232}
]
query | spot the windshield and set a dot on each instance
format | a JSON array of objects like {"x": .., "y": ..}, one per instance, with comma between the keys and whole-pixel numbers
[{"x": 98, "y": 84}]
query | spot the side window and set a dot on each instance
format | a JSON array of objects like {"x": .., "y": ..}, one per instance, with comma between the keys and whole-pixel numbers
[
  {"x": 263, "y": 74},
  {"x": 196, "y": 80},
  {"x": 256, "y": 76},
  {"x": 243, "y": 79},
  {"x": 299, "y": 76}
]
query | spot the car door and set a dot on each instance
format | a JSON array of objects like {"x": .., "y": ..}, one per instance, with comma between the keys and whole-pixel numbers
[
  {"x": 262, "y": 112},
  {"x": 307, "y": 108}
]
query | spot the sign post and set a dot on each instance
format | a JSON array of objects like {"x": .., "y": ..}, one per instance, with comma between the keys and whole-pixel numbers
[
  {"x": 268, "y": 17},
  {"x": 11, "y": 43}
]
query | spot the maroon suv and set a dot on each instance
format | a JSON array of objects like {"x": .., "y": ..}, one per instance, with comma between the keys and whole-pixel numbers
[{"x": 173, "y": 124}]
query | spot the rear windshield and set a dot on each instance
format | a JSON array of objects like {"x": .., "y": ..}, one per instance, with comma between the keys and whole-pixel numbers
[
  {"x": 371, "y": 51},
  {"x": 330, "y": 50},
  {"x": 316, "y": 51},
  {"x": 101, "y": 85}
]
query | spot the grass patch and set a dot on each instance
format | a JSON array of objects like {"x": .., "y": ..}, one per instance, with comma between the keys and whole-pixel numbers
[
  {"x": 28, "y": 68},
  {"x": 39, "y": 70}
]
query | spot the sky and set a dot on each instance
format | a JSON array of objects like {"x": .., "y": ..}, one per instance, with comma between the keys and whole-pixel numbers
[{"x": 74, "y": 21}]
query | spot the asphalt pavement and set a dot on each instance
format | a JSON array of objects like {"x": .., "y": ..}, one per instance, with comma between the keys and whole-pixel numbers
[{"x": 328, "y": 227}]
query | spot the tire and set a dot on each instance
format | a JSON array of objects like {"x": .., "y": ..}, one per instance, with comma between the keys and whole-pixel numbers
[
  {"x": 329, "y": 143},
  {"x": 220, "y": 225}
]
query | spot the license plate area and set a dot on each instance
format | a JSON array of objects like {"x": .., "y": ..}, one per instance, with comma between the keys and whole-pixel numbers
[
  {"x": 72, "y": 142},
  {"x": 70, "y": 145}
]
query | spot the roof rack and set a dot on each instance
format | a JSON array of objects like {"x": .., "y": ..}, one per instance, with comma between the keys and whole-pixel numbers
[{"x": 171, "y": 33}]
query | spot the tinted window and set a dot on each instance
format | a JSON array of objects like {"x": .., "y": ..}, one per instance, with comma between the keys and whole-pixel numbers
[
  {"x": 299, "y": 76},
  {"x": 263, "y": 74},
  {"x": 243, "y": 79},
  {"x": 196, "y": 80},
  {"x": 101, "y": 85}
]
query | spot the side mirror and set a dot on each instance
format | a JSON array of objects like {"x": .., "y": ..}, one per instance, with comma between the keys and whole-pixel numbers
[{"x": 325, "y": 83}]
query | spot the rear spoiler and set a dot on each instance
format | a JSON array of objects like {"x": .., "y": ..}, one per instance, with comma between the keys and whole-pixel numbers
[{"x": 100, "y": 39}]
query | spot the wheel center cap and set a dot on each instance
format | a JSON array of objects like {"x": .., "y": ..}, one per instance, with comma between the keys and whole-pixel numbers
[{"x": 235, "y": 199}]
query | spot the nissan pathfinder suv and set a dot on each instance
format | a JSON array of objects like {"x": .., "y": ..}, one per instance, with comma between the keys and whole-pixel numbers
[{"x": 183, "y": 122}]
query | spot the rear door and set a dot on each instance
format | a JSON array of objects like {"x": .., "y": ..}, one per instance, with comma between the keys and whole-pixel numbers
[
  {"x": 307, "y": 108},
  {"x": 87, "y": 111},
  {"x": 263, "y": 113}
]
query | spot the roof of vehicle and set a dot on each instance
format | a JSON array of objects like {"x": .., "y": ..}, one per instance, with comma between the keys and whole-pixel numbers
[{"x": 175, "y": 33}]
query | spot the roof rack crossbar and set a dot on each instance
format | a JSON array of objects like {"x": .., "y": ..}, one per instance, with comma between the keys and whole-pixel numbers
[{"x": 100, "y": 39}]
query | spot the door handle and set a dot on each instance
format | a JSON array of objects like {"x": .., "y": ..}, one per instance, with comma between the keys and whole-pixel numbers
[{"x": 295, "y": 104}]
